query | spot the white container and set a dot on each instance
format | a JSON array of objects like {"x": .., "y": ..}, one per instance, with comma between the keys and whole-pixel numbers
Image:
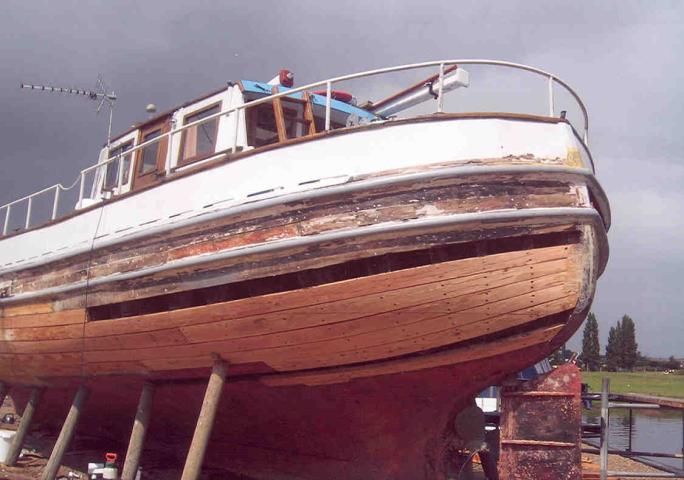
[{"x": 6, "y": 437}]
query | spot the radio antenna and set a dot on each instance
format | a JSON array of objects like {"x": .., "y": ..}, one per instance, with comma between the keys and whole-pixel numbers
[{"x": 101, "y": 93}]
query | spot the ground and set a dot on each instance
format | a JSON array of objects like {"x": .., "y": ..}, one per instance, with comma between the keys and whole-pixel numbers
[{"x": 649, "y": 383}]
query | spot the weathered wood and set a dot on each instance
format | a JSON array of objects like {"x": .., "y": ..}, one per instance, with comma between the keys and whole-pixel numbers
[
  {"x": 52, "y": 319},
  {"x": 468, "y": 353},
  {"x": 65, "y": 435},
  {"x": 137, "y": 440},
  {"x": 205, "y": 421},
  {"x": 4, "y": 388},
  {"x": 399, "y": 202},
  {"x": 24, "y": 425},
  {"x": 482, "y": 287},
  {"x": 288, "y": 322},
  {"x": 347, "y": 289},
  {"x": 361, "y": 319},
  {"x": 27, "y": 309}
]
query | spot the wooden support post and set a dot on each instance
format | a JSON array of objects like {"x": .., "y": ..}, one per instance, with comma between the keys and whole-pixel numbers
[
  {"x": 205, "y": 422},
  {"x": 135, "y": 444},
  {"x": 65, "y": 435},
  {"x": 26, "y": 417},
  {"x": 4, "y": 388}
]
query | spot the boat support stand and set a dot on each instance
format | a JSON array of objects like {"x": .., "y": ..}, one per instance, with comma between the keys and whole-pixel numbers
[{"x": 198, "y": 446}]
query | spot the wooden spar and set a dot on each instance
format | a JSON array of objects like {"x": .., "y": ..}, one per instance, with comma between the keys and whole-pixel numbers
[
  {"x": 135, "y": 444},
  {"x": 4, "y": 388},
  {"x": 26, "y": 417},
  {"x": 205, "y": 421},
  {"x": 65, "y": 435}
]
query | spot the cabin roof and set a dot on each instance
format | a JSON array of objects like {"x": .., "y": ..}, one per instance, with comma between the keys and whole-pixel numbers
[{"x": 250, "y": 86}]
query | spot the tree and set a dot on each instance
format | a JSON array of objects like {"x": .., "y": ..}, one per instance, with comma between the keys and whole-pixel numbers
[
  {"x": 591, "y": 349},
  {"x": 672, "y": 363},
  {"x": 613, "y": 348},
  {"x": 629, "y": 348}
]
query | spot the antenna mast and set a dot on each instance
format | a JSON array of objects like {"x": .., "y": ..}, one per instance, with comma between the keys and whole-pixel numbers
[{"x": 100, "y": 93}]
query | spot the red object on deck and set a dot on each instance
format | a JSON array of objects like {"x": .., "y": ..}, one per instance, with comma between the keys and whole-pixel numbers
[
  {"x": 345, "y": 97},
  {"x": 286, "y": 78}
]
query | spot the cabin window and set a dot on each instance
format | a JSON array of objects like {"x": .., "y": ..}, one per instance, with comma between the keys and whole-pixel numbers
[
  {"x": 112, "y": 176},
  {"x": 338, "y": 119},
  {"x": 148, "y": 160},
  {"x": 151, "y": 159},
  {"x": 199, "y": 142},
  {"x": 261, "y": 125},
  {"x": 295, "y": 119}
]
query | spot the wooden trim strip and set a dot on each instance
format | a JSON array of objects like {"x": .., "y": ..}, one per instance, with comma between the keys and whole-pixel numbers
[
  {"x": 562, "y": 174},
  {"x": 496, "y": 219},
  {"x": 279, "y": 116}
]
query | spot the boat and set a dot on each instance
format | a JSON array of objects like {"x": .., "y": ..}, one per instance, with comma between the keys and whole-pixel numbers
[{"x": 363, "y": 273}]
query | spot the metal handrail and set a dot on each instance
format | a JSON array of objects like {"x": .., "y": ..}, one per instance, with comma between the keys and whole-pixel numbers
[
  {"x": 604, "y": 449},
  {"x": 441, "y": 64}
]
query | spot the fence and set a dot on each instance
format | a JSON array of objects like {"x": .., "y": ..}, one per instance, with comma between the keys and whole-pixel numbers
[{"x": 604, "y": 450}]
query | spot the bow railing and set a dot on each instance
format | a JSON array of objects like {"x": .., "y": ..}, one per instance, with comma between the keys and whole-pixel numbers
[{"x": 169, "y": 136}]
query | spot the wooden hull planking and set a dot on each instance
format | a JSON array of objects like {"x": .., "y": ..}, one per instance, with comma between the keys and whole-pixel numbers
[{"x": 297, "y": 308}]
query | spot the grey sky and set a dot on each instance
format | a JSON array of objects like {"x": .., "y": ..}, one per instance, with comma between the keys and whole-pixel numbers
[{"x": 623, "y": 57}]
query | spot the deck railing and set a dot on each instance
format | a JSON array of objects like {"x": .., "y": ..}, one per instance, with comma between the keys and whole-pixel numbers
[{"x": 328, "y": 84}]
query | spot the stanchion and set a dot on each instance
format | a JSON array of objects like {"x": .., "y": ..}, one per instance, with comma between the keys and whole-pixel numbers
[{"x": 205, "y": 421}]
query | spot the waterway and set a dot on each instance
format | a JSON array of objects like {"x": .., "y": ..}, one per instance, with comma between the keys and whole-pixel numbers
[{"x": 651, "y": 430}]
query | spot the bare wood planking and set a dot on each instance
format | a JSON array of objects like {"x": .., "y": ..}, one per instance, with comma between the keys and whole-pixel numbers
[
  {"x": 419, "y": 336},
  {"x": 67, "y": 345},
  {"x": 507, "y": 265},
  {"x": 422, "y": 299},
  {"x": 432, "y": 340},
  {"x": 43, "y": 333},
  {"x": 256, "y": 266},
  {"x": 48, "y": 364},
  {"x": 395, "y": 205},
  {"x": 458, "y": 355},
  {"x": 278, "y": 361},
  {"x": 259, "y": 265},
  {"x": 324, "y": 293},
  {"x": 52, "y": 319},
  {"x": 529, "y": 306},
  {"x": 294, "y": 224},
  {"x": 27, "y": 309}
]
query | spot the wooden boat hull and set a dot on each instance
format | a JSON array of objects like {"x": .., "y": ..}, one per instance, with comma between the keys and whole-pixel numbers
[
  {"x": 314, "y": 284},
  {"x": 356, "y": 319},
  {"x": 392, "y": 426}
]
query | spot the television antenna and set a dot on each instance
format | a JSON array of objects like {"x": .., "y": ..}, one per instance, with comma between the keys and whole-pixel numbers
[{"x": 101, "y": 93}]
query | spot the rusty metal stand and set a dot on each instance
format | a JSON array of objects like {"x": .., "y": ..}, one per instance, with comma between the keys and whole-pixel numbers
[
  {"x": 136, "y": 442},
  {"x": 65, "y": 435},
  {"x": 540, "y": 427},
  {"x": 205, "y": 421},
  {"x": 26, "y": 417}
]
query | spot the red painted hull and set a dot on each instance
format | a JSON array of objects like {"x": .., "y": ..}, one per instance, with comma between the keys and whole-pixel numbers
[{"x": 392, "y": 426}]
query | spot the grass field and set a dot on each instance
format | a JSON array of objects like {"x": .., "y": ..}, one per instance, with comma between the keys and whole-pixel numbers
[{"x": 649, "y": 383}]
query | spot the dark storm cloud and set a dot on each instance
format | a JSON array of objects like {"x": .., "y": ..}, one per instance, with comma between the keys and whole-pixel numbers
[{"x": 623, "y": 58}]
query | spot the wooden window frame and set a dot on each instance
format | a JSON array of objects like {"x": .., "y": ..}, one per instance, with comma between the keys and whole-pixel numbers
[
  {"x": 126, "y": 172},
  {"x": 280, "y": 115},
  {"x": 186, "y": 161},
  {"x": 141, "y": 180},
  {"x": 251, "y": 123}
]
